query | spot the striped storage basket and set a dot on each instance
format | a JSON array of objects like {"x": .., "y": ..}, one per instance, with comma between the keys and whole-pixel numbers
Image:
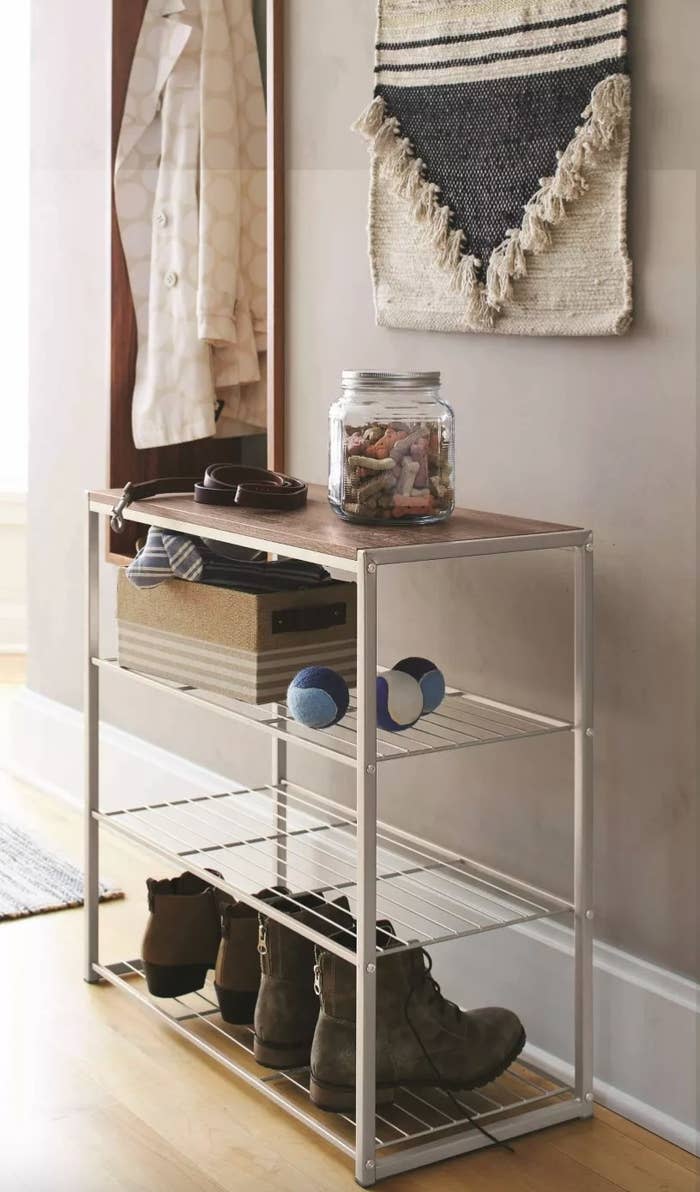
[{"x": 237, "y": 644}]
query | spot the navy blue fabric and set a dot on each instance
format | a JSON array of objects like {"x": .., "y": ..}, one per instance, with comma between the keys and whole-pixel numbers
[{"x": 487, "y": 144}]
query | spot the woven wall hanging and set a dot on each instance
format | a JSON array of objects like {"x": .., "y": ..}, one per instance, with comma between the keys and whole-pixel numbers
[{"x": 499, "y": 133}]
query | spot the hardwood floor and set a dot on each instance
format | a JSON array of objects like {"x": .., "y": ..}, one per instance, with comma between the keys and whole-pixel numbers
[{"x": 96, "y": 1097}]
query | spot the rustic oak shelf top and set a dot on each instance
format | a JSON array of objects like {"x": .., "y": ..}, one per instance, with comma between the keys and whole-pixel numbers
[{"x": 316, "y": 531}]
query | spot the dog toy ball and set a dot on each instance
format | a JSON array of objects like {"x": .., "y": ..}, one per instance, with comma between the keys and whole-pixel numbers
[
  {"x": 318, "y": 697},
  {"x": 429, "y": 678},
  {"x": 399, "y": 701}
]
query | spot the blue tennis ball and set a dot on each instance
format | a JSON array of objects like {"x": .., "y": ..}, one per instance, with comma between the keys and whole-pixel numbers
[
  {"x": 429, "y": 677},
  {"x": 399, "y": 701},
  {"x": 318, "y": 697}
]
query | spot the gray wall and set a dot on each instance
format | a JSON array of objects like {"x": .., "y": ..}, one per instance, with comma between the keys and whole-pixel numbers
[{"x": 599, "y": 433}]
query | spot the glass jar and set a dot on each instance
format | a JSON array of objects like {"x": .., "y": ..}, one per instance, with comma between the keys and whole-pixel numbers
[{"x": 391, "y": 449}]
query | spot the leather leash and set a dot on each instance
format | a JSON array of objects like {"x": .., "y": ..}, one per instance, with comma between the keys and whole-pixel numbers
[{"x": 222, "y": 484}]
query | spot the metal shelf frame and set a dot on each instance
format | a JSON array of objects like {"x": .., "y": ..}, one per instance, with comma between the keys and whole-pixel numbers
[
  {"x": 413, "y": 1117},
  {"x": 463, "y": 721},
  {"x": 429, "y": 893}
]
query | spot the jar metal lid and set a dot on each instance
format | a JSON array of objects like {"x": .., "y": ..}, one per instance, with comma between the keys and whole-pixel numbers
[{"x": 390, "y": 380}]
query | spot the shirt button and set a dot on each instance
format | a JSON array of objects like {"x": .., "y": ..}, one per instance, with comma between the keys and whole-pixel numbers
[
  {"x": 170, "y": 280},
  {"x": 161, "y": 219}
]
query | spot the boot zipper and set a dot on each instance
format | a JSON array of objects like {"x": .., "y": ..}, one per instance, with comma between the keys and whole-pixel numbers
[{"x": 262, "y": 936}]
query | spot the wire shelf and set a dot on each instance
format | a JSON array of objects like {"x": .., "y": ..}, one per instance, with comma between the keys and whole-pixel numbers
[
  {"x": 248, "y": 836},
  {"x": 414, "y": 1116},
  {"x": 462, "y": 721}
]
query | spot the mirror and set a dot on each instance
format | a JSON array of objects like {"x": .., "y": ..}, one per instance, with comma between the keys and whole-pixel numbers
[{"x": 197, "y": 352}]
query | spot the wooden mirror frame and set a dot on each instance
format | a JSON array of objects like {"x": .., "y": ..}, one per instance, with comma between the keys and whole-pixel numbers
[{"x": 126, "y": 462}]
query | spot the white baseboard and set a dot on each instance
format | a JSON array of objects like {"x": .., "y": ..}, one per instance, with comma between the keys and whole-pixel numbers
[
  {"x": 13, "y": 648},
  {"x": 46, "y": 751},
  {"x": 13, "y": 611},
  {"x": 13, "y": 508},
  {"x": 647, "y": 1020},
  {"x": 13, "y": 626},
  {"x": 651, "y": 1118}
]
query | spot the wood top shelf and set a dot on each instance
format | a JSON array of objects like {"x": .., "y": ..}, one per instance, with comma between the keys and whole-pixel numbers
[{"x": 316, "y": 532}]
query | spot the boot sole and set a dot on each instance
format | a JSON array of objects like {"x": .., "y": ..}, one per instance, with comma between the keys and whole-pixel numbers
[
  {"x": 174, "y": 980},
  {"x": 341, "y": 1098},
  {"x": 273, "y": 1055},
  {"x": 237, "y": 1008}
]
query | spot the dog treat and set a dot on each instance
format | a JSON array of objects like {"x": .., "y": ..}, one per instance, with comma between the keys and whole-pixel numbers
[
  {"x": 370, "y": 464},
  {"x": 395, "y": 471},
  {"x": 412, "y": 506},
  {"x": 355, "y": 444},
  {"x": 409, "y": 471},
  {"x": 369, "y": 488},
  {"x": 419, "y": 452},
  {"x": 384, "y": 446},
  {"x": 404, "y": 442}
]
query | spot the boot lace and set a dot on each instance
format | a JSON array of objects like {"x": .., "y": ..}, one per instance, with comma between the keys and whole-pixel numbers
[
  {"x": 421, "y": 977},
  {"x": 448, "y": 1008}
]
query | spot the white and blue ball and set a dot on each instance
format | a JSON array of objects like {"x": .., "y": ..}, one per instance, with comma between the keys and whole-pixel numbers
[
  {"x": 399, "y": 701},
  {"x": 429, "y": 678},
  {"x": 318, "y": 697}
]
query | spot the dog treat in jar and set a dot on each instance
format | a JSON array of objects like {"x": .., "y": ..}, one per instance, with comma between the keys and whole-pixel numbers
[{"x": 391, "y": 449}]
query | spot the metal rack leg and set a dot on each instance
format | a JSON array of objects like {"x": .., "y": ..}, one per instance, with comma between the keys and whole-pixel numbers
[
  {"x": 365, "y": 1149},
  {"x": 583, "y": 824},
  {"x": 92, "y": 729},
  {"x": 279, "y": 773}
]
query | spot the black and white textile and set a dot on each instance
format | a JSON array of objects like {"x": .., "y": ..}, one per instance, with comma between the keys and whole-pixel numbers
[{"x": 500, "y": 133}]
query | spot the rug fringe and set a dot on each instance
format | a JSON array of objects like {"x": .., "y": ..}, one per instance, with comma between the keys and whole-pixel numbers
[{"x": 608, "y": 110}]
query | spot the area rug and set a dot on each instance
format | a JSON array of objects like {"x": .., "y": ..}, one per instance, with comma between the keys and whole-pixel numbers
[
  {"x": 499, "y": 133},
  {"x": 34, "y": 881}
]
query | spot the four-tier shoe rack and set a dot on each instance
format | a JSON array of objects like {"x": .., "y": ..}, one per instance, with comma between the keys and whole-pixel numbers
[{"x": 287, "y": 833}]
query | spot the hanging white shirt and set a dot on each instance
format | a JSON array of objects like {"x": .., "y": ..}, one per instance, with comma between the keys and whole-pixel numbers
[{"x": 190, "y": 195}]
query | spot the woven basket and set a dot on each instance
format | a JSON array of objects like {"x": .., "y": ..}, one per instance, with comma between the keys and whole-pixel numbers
[{"x": 237, "y": 644}]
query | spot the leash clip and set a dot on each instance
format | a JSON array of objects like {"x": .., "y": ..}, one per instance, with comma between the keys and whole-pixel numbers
[{"x": 116, "y": 519}]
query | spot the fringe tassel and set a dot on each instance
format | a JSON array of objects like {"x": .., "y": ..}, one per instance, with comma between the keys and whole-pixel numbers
[
  {"x": 372, "y": 118},
  {"x": 407, "y": 174},
  {"x": 507, "y": 263},
  {"x": 608, "y": 110}
]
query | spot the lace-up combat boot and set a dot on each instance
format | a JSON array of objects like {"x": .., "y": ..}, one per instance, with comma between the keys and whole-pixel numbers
[
  {"x": 422, "y": 1039},
  {"x": 287, "y": 1006}
]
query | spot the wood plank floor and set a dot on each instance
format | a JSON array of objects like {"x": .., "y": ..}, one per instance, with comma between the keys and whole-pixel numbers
[{"x": 96, "y": 1097}]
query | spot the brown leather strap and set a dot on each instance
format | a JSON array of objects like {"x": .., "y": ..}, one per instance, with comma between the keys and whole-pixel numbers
[
  {"x": 222, "y": 484},
  {"x": 257, "y": 488}
]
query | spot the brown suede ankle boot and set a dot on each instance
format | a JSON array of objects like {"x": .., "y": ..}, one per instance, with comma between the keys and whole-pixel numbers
[
  {"x": 422, "y": 1039},
  {"x": 287, "y": 1007},
  {"x": 237, "y": 974},
  {"x": 182, "y": 934}
]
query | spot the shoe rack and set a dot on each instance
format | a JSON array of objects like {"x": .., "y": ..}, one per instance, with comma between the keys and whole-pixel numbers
[{"x": 286, "y": 833}]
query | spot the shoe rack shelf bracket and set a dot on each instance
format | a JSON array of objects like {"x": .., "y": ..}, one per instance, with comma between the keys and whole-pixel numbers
[{"x": 431, "y": 893}]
